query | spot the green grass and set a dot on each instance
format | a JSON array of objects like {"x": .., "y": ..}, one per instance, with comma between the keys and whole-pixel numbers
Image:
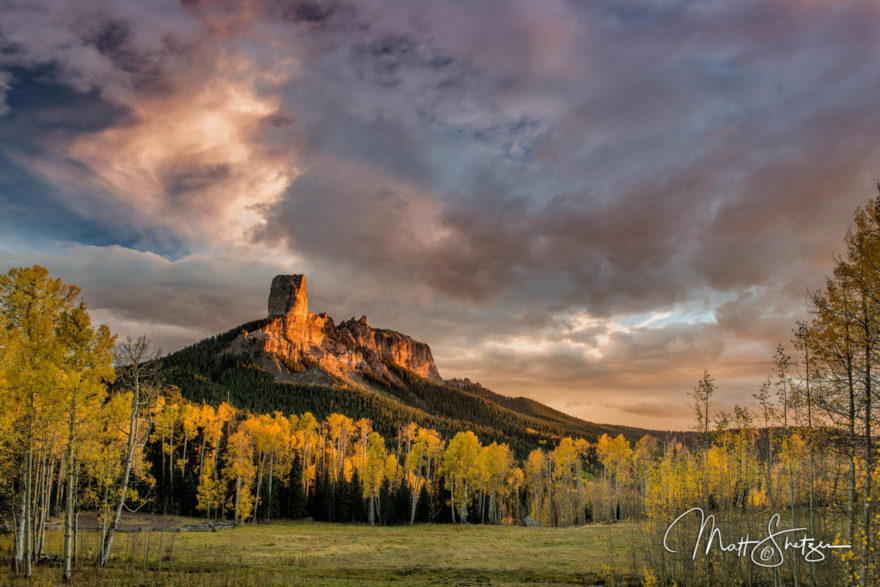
[{"x": 307, "y": 553}]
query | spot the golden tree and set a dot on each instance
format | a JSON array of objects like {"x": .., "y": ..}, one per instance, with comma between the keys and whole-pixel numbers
[
  {"x": 373, "y": 473},
  {"x": 239, "y": 469},
  {"x": 460, "y": 468},
  {"x": 87, "y": 366},
  {"x": 31, "y": 304}
]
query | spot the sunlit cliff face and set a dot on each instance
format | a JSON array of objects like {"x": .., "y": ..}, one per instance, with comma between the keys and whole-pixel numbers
[{"x": 585, "y": 203}]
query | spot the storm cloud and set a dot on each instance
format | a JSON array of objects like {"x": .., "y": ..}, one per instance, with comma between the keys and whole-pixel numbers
[{"x": 585, "y": 203}]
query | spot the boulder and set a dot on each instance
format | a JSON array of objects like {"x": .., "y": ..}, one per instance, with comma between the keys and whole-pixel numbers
[{"x": 531, "y": 523}]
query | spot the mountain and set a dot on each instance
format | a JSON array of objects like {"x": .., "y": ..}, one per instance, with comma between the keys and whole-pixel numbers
[
  {"x": 299, "y": 346},
  {"x": 295, "y": 361}
]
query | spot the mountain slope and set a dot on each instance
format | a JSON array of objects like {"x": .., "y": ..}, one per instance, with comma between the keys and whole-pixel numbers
[{"x": 294, "y": 361}]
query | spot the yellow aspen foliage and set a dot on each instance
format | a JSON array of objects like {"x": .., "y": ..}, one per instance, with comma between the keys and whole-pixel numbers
[
  {"x": 391, "y": 468},
  {"x": 239, "y": 470},
  {"x": 373, "y": 473},
  {"x": 460, "y": 469},
  {"x": 534, "y": 472},
  {"x": 209, "y": 492}
]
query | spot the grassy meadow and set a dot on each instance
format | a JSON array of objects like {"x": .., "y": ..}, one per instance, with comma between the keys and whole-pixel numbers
[{"x": 342, "y": 554}]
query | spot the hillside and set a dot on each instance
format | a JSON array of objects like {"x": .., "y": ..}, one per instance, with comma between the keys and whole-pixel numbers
[
  {"x": 294, "y": 361},
  {"x": 206, "y": 372}
]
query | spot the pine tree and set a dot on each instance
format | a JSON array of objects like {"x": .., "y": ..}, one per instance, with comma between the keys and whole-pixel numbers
[
  {"x": 342, "y": 502},
  {"x": 296, "y": 503},
  {"x": 386, "y": 504},
  {"x": 402, "y": 504},
  {"x": 357, "y": 507},
  {"x": 441, "y": 513},
  {"x": 423, "y": 507}
]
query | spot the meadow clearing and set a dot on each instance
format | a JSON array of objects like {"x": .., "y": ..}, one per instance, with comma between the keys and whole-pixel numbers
[{"x": 344, "y": 554}]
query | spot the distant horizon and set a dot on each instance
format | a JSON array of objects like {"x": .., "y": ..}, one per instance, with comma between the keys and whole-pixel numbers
[{"x": 588, "y": 205}]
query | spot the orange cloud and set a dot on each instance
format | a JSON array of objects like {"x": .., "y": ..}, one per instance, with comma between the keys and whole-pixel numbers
[{"x": 188, "y": 161}]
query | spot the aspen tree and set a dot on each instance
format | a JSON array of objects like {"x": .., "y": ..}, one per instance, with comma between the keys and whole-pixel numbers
[
  {"x": 701, "y": 396},
  {"x": 863, "y": 260},
  {"x": 418, "y": 466},
  {"x": 31, "y": 303},
  {"x": 533, "y": 471},
  {"x": 768, "y": 413},
  {"x": 87, "y": 366},
  {"x": 802, "y": 334},
  {"x": 494, "y": 463},
  {"x": 189, "y": 429},
  {"x": 582, "y": 447},
  {"x": 308, "y": 445},
  {"x": 459, "y": 466},
  {"x": 616, "y": 456},
  {"x": 340, "y": 428},
  {"x": 239, "y": 469},
  {"x": 835, "y": 347},
  {"x": 139, "y": 375},
  {"x": 373, "y": 473},
  {"x": 783, "y": 364},
  {"x": 281, "y": 452},
  {"x": 564, "y": 462}
]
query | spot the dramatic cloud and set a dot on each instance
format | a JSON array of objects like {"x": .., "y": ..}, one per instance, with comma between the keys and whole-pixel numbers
[{"x": 585, "y": 203}]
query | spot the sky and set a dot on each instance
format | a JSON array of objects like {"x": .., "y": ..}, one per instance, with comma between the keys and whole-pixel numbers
[{"x": 588, "y": 203}]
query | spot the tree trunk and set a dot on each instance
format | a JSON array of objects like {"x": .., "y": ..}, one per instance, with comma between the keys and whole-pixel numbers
[
  {"x": 76, "y": 539},
  {"x": 414, "y": 502},
  {"x": 464, "y": 502},
  {"x": 163, "y": 484},
  {"x": 790, "y": 465},
  {"x": 812, "y": 454},
  {"x": 452, "y": 499},
  {"x": 126, "y": 475},
  {"x": 259, "y": 484},
  {"x": 866, "y": 513},
  {"x": 171, "y": 469},
  {"x": 47, "y": 503},
  {"x": 237, "y": 499},
  {"x": 69, "y": 513},
  {"x": 183, "y": 459},
  {"x": 21, "y": 521},
  {"x": 851, "y": 489},
  {"x": 28, "y": 513},
  {"x": 269, "y": 496}
]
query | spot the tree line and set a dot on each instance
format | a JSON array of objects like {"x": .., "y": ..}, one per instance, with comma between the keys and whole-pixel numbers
[{"x": 207, "y": 372}]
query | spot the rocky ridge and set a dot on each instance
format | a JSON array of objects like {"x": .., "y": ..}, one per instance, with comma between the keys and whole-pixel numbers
[{"x": 303, "y": 346}]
